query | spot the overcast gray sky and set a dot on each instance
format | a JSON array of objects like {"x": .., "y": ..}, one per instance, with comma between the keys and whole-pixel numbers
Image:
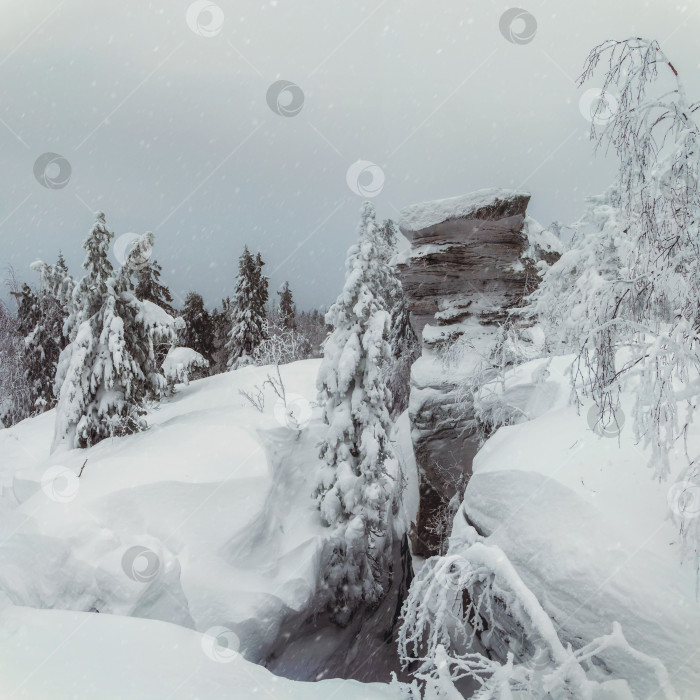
[{"x": 169, "y": 130}]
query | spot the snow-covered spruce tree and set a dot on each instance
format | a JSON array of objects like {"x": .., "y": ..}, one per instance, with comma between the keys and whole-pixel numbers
[
  {"x": 109, "y": 368},
  {"x": 353, "y": 489},
  {"x": 221, "y": 322},
  {"x": 405, "y": 347},
  {"x": 146, "y": 274},
  {"x": 312, "y": 325},
  {"x": 287, "y": 310},
  {"x": 16, "y": 400},
  {"x": 261, "y": 284},
  {"x": 247, "y": 312},
  {"x": 388, "y": 237},
  {"x": 198, "y": 332},
  {"x": 405, "y": 350},
  {"x": 62, "y": 284},
  {"x": 149, "y": 286},
  {"x": 27, "y": 309},
  {"x": 41, "y": 322}
]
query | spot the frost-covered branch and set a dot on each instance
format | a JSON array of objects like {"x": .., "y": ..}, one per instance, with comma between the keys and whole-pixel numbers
[
  {"x": 469, "y": 614},
  {"x": 625, "y": 296}
]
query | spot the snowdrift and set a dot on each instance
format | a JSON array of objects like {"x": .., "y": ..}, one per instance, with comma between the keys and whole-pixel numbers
[
  {"x": 205, "y": 520},
  {"x": 585, "y": 526},
  {"x": 65, "y": 655}
]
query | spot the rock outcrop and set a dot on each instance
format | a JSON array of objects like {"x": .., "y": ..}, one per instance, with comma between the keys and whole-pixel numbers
[{"x": 471, "y": 259}]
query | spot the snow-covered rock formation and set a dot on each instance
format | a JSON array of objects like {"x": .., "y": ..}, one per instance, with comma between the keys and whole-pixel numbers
[
  {"x": 564, "y": 575},
  {"x": 471, "y": 259}
]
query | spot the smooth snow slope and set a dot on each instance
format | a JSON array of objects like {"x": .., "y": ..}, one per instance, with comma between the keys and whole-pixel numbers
[
  {"x": 60, "y": 655},
  {"x": 204, "y": 520}
]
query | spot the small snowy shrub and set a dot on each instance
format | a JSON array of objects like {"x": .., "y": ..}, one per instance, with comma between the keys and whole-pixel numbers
[{"x": 183, "y": 364}]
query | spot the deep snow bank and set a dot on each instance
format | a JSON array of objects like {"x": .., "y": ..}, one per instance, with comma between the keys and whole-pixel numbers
[
  {"x": 585, "y": 526},
  {"x": 204, "y": 520},
  {"x": 65, "y": 655}
]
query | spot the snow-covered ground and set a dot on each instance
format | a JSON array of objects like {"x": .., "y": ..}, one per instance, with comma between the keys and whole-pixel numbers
[
  {"x": 197, "y": 540},
  {"x": 61, "y": 655},
  {"x": 205, "y": 520},
  {"x": 585, "y": 526}
]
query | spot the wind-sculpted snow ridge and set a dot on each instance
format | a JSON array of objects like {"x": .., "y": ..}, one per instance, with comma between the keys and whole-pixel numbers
[
  {"x": 564, "y": 569},
  {"x": 204, "y": 520}
]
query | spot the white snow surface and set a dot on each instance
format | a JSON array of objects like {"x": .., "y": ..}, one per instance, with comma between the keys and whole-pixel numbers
[
  {"x": 584, "y": 524},
  {"x": 64, "y": 655},
  {"x": 420, "y": 216},
  {"x": 218, "y": 497}
]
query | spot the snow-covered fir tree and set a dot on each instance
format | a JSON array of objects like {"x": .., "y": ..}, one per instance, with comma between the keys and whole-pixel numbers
[
  {"x": 353, "y": 488},
  {"x": 109, "y": 368},
  {"x": 41, "y": 322},
  {"x": 16, "y": 402},
  {"x": 150, "y": 288},
  {"x": 221, "y": 322},
  {"x": 405, "y": 347},
  {"x": 312, "y": 325},
  {"x": 31, "y": 352},
  {"x": 198, "y": 332},
  {"x": 405, "y": 350},
  {"x": 388, "y": 239},
  {"x": 287, "y": 310},
  {"x": 261, "y": 285},
  {"x": 247, "y": 313},
  {"x": 27, "y": 308}
]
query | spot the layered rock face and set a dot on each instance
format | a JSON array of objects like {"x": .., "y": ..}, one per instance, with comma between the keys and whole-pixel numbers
[
  {"x": 471, "y": 259},
  {"x": 462, "y": 255}
]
